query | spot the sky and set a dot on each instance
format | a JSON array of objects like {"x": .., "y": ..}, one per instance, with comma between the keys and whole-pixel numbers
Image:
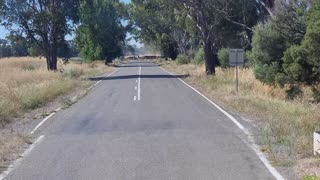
[{"x": 4, "y": 32}]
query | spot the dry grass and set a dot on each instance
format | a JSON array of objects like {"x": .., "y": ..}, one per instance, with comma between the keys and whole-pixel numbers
[
  {"x": 26, "y": 84},
  {"x": 285, "y": 127}
]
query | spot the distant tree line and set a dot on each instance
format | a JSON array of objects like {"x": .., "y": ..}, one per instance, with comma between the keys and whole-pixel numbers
[{"x": 13, "y": 46}]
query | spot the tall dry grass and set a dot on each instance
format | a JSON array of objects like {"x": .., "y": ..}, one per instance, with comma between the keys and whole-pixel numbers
[
  {"x": 285, "y": 127},
  {"x": 26, "y": 84}
]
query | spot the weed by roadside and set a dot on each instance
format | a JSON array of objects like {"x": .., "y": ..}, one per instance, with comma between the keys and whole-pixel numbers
[{"x": 311, "y": 178}]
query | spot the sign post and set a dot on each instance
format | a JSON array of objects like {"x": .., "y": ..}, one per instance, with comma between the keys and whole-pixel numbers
[{"x": 236, "y": 58}]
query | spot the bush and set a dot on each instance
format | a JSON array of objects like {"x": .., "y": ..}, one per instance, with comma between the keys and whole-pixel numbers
[
  {"x": 295, "y": 65},
  {"x": 223, "y": 56},
  {"x": 199, "y": 56},
  {"x": 31, "y": 66},
  {"x": 301, "y": 62},
  {"x": 268, "y": 47},
  {"x": 73, "y": 73},
  {"x": 289, "y": 54},
  {"x": 183, "y": 59},
  {"x": 316, "y": 94},
  {"x": 293, "y": 92},
  {"x": 311, "y": 178}
]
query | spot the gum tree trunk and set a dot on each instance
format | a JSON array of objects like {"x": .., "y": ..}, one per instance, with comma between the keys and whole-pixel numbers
[{"x": 210, "y": 59}]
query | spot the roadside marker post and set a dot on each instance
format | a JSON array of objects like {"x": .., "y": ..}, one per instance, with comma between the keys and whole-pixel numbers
[
  {"x": 236, "y": 58},
  {"x": 316, "y": 143}
]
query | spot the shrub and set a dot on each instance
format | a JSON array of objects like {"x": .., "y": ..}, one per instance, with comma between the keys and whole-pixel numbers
[
  {"x": 295, "y": 65},
  {"x": 223, "y": 56},
  {"x": 199, "y": 56},
  {"x": 268, "y": 47},
  {"x": 301, "y": 62},
  {"x": 293, "y": 92},
  {"x": 316, "y": 94},
  {"x": 311, "y": 178},
  {"x": 289, "y": 54},
  {"x": 73, "y": 72},
  {"x": 31, "y": 66},
  {"x": 183, "y": 59}
]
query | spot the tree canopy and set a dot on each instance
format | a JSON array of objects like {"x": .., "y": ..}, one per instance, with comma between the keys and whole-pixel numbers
[
  {"x": 101, "y": 33},
  {"x": 183, "y": 26},
  {"x": 42, "y": 22}
]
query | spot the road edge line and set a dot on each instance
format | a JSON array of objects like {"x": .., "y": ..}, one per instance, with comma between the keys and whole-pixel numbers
[
  {"x": 23, "y": 156},
  {"x": 253, "y": 146},
  {"x": 41, "y": 123}
]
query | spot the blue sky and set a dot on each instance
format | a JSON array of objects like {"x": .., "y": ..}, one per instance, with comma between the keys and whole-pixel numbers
[{"x": 3, "y": 32}]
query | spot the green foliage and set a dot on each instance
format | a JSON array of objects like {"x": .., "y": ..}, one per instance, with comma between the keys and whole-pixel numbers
[
  {"x": 101, "y": 34},
  {"x": 302, "y": 62},
  {"x": 290, "y": 20},
  {"x": 294, "y": 64},
  {"x": 5, "y": 48},
  {"x": 177, "y": 25},
  {"x": 267, "y": 73},
  {"x": 34, "y": 51},
  {"x": 183, "y": 59},
  {"x": 19, "y": 44},
  {"x": 44, "y": 24},
  {"x": 286, "y": 48},
  {"x": 223, "y": 56},
  {"x": 311, "y": 178},
  {"x": 158, "y": 25},
  {"x": 73, "y": 73},
  {"x": 293, "y": 92},
  {"x": 199, "y": 56},
  {"x": 316, "y": 93},
  {"x": 268, "y": 47},
  {"x": 274, "y": 54},
  {"x": 31, "y": 66}
]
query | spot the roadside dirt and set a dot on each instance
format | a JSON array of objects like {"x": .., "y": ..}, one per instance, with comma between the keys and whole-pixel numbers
[{"x": 308, "y": 166}]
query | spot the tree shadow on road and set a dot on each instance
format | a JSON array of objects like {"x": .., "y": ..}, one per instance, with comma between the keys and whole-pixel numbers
[
  {"x": 137, "y": 76},
  {"x": 136, "y": 65}
]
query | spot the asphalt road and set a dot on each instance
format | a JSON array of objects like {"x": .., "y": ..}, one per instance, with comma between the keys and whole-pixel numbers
[{"x": 167, "y": 132}]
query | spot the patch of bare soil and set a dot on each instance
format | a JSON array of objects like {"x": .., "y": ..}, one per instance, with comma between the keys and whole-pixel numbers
[
  {"x": 308, "y": 167},
  {"x": 10, "y": 146}
]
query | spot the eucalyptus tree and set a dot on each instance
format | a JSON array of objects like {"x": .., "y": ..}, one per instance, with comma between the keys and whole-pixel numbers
[
  {"x": 153, "y": 23},
  {"x": 210, "y": 24},
  {"x": 212, "y": 17},
  {"x": 101, "y": 33},
  {"x": 42, "y": 22}
]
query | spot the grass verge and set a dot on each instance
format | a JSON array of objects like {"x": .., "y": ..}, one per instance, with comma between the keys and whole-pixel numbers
[{"x": 285, "y": 128}]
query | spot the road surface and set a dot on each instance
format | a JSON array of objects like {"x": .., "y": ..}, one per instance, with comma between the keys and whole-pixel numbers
[{"x": 140, "y": 124}]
